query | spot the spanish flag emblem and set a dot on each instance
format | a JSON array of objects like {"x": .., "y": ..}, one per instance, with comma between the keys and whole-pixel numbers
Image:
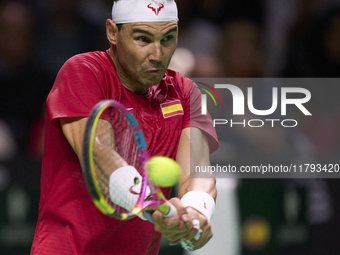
[{"x": 172, "y": 108}]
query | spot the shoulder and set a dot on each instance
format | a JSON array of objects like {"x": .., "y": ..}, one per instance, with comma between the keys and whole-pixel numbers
[
  {"x": 96, "y": 65},
  {"x": 89, "y": 59},
  {"x": 93, "y": 55}
]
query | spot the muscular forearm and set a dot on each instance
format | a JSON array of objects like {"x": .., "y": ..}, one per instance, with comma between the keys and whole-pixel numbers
[
  {"x": 203, "y": 184},
  {"x": 193, "y": 151}
]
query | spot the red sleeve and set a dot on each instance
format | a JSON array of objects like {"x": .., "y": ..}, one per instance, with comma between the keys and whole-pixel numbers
[
  {"x": 194, "y": 118},
  {"x": 79, "y": 85}
]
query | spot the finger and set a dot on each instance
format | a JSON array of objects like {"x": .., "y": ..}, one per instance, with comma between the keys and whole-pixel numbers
[
  {"x": 181, "y": 210},
  {"x": 206, "y": 235},
  {"x": 196, "y": 231},
  {"x": 198, "y": 237},
  {"x": 184, "y": 218},
  {"x": 182, "y": 215},
  {"x": 174, "y": 240},
  {"x": 189, "y": 242},
  {"x": 196, "y": 226},
  {"x": 158, "y": 218},
  {"x": 204, "y": 242},
  {"x": 175, "y": 234},
  {"x": 176, "y": 227}
]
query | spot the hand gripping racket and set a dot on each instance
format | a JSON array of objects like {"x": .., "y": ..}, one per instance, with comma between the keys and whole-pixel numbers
[{"x": 113, "y": 137}]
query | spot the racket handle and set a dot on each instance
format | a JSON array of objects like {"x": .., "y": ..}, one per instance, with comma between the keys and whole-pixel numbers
[{"x": 172, "y": 210}]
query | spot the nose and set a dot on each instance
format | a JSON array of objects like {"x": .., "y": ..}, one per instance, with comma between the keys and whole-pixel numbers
[{"x": 156, "y": 54}]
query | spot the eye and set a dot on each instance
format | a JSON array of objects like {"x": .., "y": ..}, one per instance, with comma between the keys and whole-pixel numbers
[
  {"x": 168, "y": 38},
  {"x": 143, "y": 39}
]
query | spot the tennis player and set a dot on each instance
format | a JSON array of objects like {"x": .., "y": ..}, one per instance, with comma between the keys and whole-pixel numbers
[{"x": 143, "y": 38}]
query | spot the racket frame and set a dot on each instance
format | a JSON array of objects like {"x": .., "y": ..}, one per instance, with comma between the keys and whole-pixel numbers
[{"x": 158, "y": 202}]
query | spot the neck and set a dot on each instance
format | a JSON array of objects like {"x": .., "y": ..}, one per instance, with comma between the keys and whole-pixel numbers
[{"x": 124, "y": 78}]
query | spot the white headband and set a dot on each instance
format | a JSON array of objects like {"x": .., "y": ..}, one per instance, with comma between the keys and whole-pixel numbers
[{"x": 128, "y": 11}]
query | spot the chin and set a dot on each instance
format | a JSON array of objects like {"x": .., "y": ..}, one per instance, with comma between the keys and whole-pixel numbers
[{"x": 154, "y": 81}]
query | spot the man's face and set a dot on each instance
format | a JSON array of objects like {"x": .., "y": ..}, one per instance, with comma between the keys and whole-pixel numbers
[{"x": 144, "y": 50}]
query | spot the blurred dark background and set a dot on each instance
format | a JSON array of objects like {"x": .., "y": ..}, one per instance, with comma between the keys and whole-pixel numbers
[{"x": 217, "y": 38}]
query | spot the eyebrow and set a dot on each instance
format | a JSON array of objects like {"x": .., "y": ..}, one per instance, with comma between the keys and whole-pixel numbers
[{"x": 142, "y": 31}]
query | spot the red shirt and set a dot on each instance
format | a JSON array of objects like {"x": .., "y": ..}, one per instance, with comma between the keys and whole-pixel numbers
[{"x": 69, "y": 223}]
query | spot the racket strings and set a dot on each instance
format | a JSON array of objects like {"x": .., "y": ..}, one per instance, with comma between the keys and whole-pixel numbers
[
  {"x": 123, "y": 142},
  {"x": 103, "y": 170}
]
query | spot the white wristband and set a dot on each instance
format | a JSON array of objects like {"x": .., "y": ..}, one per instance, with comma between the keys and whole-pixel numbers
[
  {"x": 124, "y": 189},
  {"x": 201, "y": 201}
]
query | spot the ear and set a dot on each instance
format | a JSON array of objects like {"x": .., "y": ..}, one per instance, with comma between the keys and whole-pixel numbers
[{"x": 111, "y": 31}]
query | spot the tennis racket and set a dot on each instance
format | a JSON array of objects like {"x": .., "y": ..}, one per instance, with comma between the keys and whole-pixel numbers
[{"x": 114, "y": 138}]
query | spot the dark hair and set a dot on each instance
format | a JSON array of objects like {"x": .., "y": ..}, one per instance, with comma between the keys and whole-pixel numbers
[{"x": 119, "y": 26}]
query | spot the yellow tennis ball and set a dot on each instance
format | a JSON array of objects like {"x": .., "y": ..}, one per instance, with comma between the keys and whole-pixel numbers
[{"x": 163, "y": 171}]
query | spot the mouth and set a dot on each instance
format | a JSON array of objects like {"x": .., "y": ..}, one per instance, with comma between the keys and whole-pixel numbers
[{"x": 154, "y": 72}]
